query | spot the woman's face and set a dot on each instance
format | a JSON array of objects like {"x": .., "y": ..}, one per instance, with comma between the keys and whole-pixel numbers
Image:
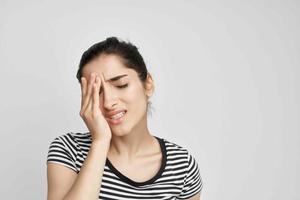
[{"x": 123, "y": 93}]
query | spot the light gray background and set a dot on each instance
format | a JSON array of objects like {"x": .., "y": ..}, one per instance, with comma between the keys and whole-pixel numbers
[{"x": 227, "y": 86}]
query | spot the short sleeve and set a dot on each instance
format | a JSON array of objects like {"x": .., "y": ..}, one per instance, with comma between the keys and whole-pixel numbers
[
  {"x": 63, "y": 151},
  {"x": 193, "y": 182}
]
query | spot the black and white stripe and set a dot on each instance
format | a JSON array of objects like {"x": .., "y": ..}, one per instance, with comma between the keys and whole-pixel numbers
[{"x": 178, "y": 178}]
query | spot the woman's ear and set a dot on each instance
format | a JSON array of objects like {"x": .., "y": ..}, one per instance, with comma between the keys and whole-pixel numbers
[{"x": 149, "y": 86}]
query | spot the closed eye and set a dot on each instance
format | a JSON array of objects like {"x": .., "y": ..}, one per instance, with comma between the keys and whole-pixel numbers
[{"x": 120, "y": 86}]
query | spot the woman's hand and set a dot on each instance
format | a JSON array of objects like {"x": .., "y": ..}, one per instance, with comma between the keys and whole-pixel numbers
[{"x": 90, "y": 111}]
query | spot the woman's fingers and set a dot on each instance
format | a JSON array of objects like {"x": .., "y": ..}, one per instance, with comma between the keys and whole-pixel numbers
[
  {"x": 87, "y": 90},
  {"x": 90, "y": 87},
  {"x": 83, "y": 90},
  {"x": 96, "y": 88}
]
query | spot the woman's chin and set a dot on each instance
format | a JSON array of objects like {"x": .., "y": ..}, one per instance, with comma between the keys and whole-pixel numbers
[{"x": 119, "y": 131}]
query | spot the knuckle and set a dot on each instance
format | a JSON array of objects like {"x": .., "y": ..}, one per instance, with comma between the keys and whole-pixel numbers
[{"x": 85, "y": 115}]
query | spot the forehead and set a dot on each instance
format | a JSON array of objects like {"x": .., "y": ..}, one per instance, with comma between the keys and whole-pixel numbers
[{"x": 107, "y": 65}]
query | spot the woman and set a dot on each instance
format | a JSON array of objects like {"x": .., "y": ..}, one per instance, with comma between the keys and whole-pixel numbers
[{"x": 118, "y": 158}]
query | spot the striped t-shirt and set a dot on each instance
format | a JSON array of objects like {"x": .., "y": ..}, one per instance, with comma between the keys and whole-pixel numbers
[{"x": 178, "y": 177}]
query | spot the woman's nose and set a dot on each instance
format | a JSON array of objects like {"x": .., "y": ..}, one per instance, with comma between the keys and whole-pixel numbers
[
  {"x": 109, "y": 95},
  {"x": 109, "y": 98}
]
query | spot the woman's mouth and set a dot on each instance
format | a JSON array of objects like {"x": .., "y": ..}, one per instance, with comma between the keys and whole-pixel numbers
[{"x": 117, "y": 118}]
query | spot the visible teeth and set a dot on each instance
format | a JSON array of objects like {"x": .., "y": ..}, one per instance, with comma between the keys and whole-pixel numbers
[{"x": 118, "y": 115}]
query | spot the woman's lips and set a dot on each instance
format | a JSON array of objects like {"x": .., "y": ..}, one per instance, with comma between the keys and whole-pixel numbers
[{"x": 116, "y": 121}]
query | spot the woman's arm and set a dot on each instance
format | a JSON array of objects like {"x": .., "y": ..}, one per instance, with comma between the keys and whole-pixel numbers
[
  {"x": 195, "y": 197},
  {"x": 88, "y": 182},
  {"x": 65, "y": 184}
]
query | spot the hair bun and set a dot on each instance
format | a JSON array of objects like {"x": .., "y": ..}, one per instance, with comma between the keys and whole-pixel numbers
[{"x": 112, "y": 40}]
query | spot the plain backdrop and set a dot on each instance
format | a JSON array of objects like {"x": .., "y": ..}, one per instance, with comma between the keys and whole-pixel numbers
[{"x": 226, "y": 75}]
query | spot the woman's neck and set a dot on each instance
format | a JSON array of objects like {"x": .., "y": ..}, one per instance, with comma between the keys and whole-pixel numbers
[{"x": 130, "y": 145}]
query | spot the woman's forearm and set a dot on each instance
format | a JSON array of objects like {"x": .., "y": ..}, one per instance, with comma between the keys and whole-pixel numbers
[{"x": 88, "y": 182}]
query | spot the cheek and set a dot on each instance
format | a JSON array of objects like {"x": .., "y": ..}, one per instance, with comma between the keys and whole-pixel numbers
[{"x": 134, "y": 95}]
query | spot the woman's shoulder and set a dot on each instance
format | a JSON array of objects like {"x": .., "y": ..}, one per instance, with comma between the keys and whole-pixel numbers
[
  {"x": 74, "y": 137},
  {"x": 67, "y": 149},
  {"x": 178, "y": 151},
  {"x": 174, "y": 146}
]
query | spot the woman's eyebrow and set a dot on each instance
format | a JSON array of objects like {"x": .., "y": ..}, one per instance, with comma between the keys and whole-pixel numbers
[{"x": 116, "y": 78}]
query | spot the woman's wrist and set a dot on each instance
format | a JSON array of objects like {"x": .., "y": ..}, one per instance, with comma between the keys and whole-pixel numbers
[{"x": 101, "y": 142}]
